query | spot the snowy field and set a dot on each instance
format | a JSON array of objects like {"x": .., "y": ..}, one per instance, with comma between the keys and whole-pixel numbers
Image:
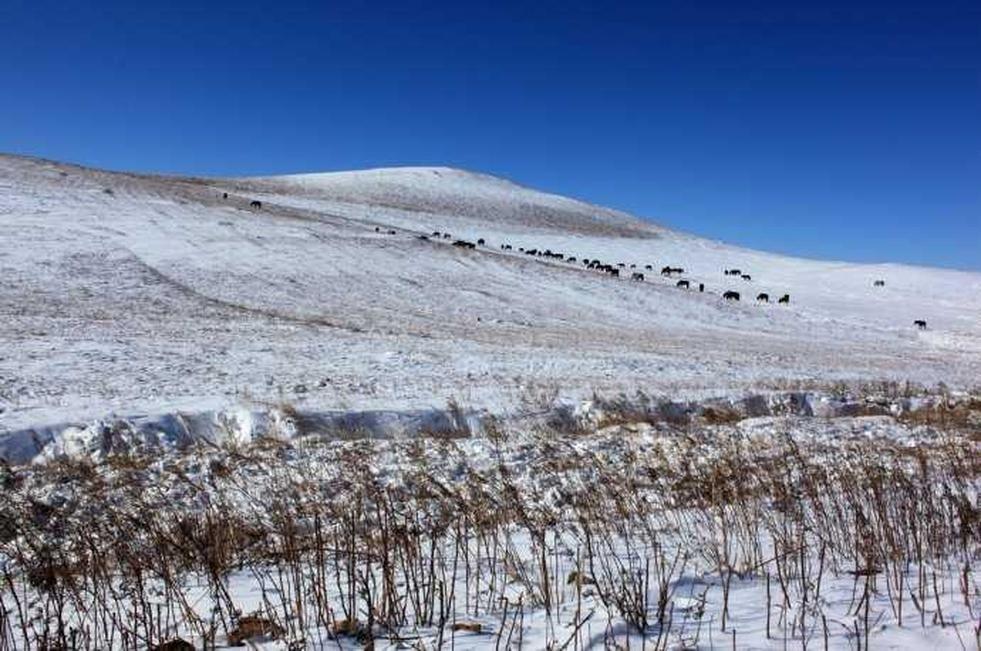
[
  {"x": 312, "y": 423},
  {"x": 142, "y": 295},
  {"x": 767, "y": 533}
]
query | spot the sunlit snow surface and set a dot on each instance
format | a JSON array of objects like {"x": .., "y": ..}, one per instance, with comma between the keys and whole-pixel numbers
[{"x": 147, "y": 295}]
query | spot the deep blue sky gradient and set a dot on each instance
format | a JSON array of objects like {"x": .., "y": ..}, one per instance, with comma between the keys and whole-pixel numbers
[{"x": 839, "y": 130}]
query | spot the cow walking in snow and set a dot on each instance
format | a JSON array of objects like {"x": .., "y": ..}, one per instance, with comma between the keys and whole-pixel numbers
[
  {"x": 763, "y": 297},
  {"x": 920, "y": 323},
  {"x": 731, "y": 296}
]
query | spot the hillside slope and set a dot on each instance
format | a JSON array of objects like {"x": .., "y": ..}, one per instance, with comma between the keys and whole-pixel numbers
[{"x": 141, "y": 294}]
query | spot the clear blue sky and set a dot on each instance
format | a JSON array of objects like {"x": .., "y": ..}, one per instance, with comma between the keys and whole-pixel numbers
[{"x": 838, "y": 130}]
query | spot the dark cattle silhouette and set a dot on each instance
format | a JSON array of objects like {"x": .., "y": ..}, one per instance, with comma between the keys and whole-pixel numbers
[
  {"x": 920, "y": 323},
  {"x": 446, "y": 236},
  {"x": 377, "y": 229},
  {"x": 701, "y": 287},
  {"x": 784, "y": 299},
  {"x": 636, "y": 276},
  {"x": 682, "y": 283},
  {"x": 391, "y": 232},
  {"x": 633, "y": 266},
  {"x": 666, "y": 271},
  {"x": 879, "y": 283},
  {"x": 765, "y": 298},
  {"x": 463, "y": 244},
  {"x": 571, "y": 258},
  {"x": 677, "y": 270},
  {"x": 648, "y": 267},
  {"x": 731, "y": 296},
  {"x": 614, "y": 272},
  {"x": 747, "y": 277},
  {"x": 256, "y": 204},
  {"x": 733, "y": 272},
  {"x": 424, "y": 238},
  {"x": 436, "y": 233},
  {"x": 224, "y": 195},
  {"x": 621, "y": 265},
  {"x": 481, "y": 241}
]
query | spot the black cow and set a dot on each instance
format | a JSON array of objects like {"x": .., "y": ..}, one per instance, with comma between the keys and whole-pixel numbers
[
  {"x": 256, "y": 204},
  {"x": 571, "y": 258},
  {"x": 614, "y": 272},
  {"x": 731, "y": 296},
  {"x": 784, "y": 299},
  {"x": 391, "y": 232},
  {"x": 920, "y": 323},
  {"x": 463, "y": 244},
  {"x": 424, "y": 238},
  {"x": 879, "y": 283},
  {"x": 648, "y": 267},
  {"x": 621, "y": 265},
  {"x": 224, "y": 195},
  {"x": 666, "y": 271},
  {"x": 636, "y": 276},
  {"x": 747, "y": 277},
  {"x": 481, "y": 241},
  {"x": 682, "y": 283},
  {"x": 701, "y": 287},
  {"x": 763, "y": 297},
  {"x": 733, "y": 272},
  {"x": 377, "y": 229},
  {"x": 446, "y": 236}
]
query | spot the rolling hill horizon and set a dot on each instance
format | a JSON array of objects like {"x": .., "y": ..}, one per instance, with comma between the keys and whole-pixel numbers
[{"x": 338, "y": 283}]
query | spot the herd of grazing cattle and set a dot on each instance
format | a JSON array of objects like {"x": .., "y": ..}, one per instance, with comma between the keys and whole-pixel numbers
[
  {"x": 667, "y": 271},
  {"x": 612, "y": 270}
]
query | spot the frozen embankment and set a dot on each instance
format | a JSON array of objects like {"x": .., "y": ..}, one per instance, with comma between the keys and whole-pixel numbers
[{"x": 241, "y": 425}]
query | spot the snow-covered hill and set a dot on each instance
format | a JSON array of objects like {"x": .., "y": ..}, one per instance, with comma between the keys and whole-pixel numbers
[{"x": 142, "y": 294}]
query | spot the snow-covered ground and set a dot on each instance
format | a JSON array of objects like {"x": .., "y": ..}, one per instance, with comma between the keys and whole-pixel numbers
[
  {"x": 592, "y": 461},
  {"x": 148, "y": 295},
  {"x": 770, "y": 533}
]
